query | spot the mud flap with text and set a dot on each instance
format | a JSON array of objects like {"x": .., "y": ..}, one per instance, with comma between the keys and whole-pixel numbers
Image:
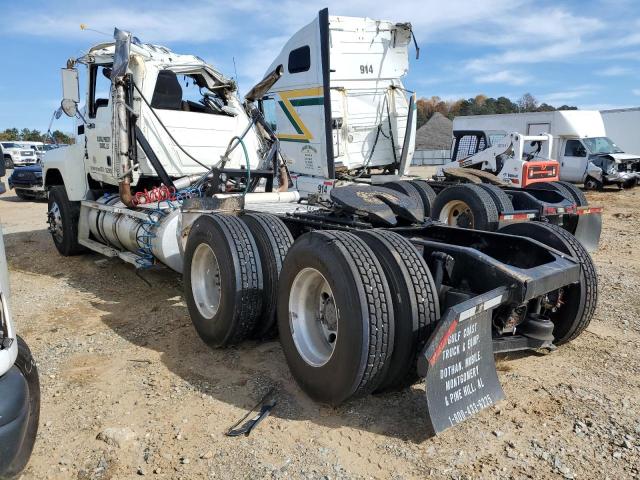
[{"x": 458, "y": 363}]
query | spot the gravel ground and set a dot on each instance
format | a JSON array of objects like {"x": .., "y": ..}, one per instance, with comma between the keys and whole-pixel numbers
[{"x": 128, "y": 388}]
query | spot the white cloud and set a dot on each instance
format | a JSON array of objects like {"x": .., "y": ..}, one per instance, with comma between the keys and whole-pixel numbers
[
  {"x": 566, "y": 96},
  {"x": 507, "y": 77},
  {"x": 615, "y": 71}
]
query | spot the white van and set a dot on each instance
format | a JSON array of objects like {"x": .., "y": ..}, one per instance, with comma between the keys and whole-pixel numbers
[{"x": 580, "y": 144}]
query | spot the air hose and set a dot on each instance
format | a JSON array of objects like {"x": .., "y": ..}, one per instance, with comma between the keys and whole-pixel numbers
[{"x": 246, "y": 157}]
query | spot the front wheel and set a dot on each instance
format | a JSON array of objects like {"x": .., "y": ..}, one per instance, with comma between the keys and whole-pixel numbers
[
  {"x": 62, "y": 217},
  {"x": 592, "y": 184},
  {"x": 23, "y": 195}
]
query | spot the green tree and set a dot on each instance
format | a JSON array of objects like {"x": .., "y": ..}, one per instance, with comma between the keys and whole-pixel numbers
[{"x": 61, "y": 137}]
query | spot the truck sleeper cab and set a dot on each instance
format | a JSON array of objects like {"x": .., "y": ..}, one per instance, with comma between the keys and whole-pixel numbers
[{"x": 339, "y": 109}]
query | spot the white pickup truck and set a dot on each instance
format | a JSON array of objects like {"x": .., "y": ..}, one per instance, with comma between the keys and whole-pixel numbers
[{"x": 15, "y": 154}]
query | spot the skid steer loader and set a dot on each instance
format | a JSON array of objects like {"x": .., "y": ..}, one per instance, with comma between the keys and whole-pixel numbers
[{"x": 273, "y": 235}]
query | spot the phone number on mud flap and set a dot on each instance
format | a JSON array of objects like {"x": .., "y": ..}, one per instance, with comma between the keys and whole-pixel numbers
[{"x": 472, "y": 409}]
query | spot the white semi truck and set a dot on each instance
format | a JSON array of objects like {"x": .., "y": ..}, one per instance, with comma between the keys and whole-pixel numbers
[
  {"x": 580, "y": 144},
  {"x": 280, "y": 224}
]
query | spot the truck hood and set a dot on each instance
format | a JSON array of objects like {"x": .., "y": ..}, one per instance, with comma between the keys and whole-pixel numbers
[{"x": 618, "y": 157}]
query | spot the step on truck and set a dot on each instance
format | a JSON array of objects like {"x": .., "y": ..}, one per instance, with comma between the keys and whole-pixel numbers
[{"x": 366, "y": 293}]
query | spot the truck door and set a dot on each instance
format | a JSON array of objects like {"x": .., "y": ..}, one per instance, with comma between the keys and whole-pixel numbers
[
  {"x": 98, "y": 128},
  {"x": 573, "y": 161}
]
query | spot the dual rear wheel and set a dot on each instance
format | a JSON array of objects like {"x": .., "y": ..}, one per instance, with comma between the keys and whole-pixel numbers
[{"x": 353, "y": 310}]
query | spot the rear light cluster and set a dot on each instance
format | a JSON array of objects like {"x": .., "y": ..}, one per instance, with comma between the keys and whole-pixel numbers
[{"x": 548, "y": 173}]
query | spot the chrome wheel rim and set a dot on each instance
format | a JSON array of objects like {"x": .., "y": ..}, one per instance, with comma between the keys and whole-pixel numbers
[
  {"x": 313, "y": 317},
  {"x": 55, "y": 222},
  {"x": 205, "y": 281},
  {"x": 458, "y": 213}
]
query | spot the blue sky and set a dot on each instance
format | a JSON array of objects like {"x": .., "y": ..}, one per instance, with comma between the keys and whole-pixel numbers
[{"x": 584, "y": 53}]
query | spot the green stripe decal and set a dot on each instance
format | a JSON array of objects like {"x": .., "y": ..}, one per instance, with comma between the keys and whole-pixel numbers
[
  {"x": 305, "y": 102},
  {"x": 293, "y": 122},
  {"x": 297, "y": 140}
]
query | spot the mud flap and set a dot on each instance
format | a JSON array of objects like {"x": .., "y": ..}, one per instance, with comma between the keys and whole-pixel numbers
[
  {"x": 458, "y": 363},
  {"x": 589, "y": 227}
]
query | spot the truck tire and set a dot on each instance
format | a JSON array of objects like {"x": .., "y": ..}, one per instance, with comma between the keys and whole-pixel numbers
[
  {"x": 591, "y": 183},
  {"x": 416, "y": 307},
  {"x": 62, "y": 217},
  {"x": 222, "y": 279},
  {"x": 427, "y": 194},
  {"x": 577, "y": 195},
  {"x": 466, "y": 206},
  {"x": 554, "y": 187},
  {"x": 335, "y": 316},
  {"x": 29, "y": 370},
  {"x": 500, "y": 198},
  {"x": 8, "y": 161},
  {"x": 273, "y": 240},
  {"x": 408, "y": 189},
  {"x": 579, "y": 300},
  {"x": 22, "y": 195}
]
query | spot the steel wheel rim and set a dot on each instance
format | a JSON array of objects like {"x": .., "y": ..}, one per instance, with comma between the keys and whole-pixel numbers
[
  {"x": 313, "y": 317},
  {"x": 55, "y": 222},
  {"x": 457, "y": 212},
  {"x": 205, "y": 281}
]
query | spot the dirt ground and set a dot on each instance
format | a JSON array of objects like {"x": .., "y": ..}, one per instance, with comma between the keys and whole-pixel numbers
[{"x": 128, "y": 388}]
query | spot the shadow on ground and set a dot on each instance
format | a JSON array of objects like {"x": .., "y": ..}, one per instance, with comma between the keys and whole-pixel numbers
[{"x": 156, "y": 318}]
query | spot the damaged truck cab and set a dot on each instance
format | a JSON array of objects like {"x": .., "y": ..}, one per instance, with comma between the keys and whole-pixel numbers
[{"x": 187, "y": 112}]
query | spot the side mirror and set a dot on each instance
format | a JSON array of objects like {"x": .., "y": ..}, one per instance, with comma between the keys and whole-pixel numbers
[{"x": 70, "y": 91}]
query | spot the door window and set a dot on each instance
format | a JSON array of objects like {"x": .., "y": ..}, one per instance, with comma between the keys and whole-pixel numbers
[
  {"x": 99, "y": 88},
  {"x": 268, "y": 109},
  {"x": 574, "y": 148}
]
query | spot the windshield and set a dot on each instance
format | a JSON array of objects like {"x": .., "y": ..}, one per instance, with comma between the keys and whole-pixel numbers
[
  {"x": 597, "y": 145},
  {"x": 9, "y": 145}
]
